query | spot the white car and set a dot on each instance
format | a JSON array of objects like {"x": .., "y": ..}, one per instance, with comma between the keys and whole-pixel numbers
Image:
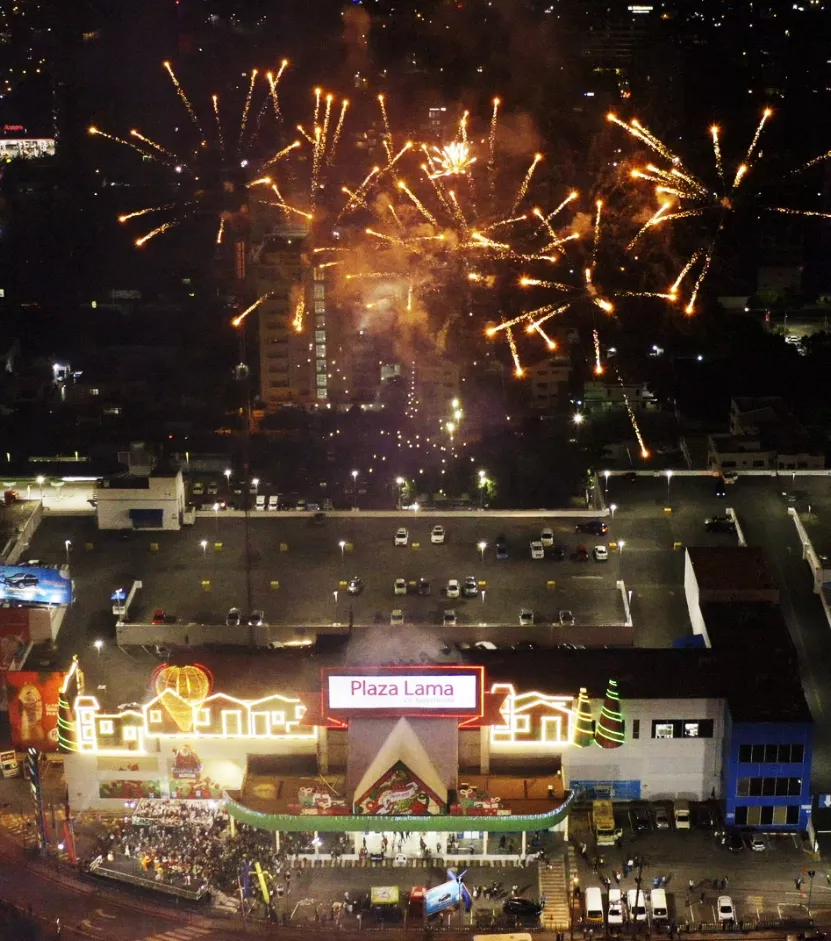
[
  {"x": 397, "y": 618},
  {"x": 726, "y": 912},
  {"x": 547, "y": 538},
  {"x": 601, "y": 554},
  {"x": 537, "y": 551},
  {"x": 449, "y": 619},
  {"x": 526, "y": 618},
  {"x": 729, "y": 477},
  {"x": 233, "y": 618},
  {"x": 453, "y": 588},
  {"x": 437, "y": 536},
  {"x": 402, "y": 537},
  {"x": 471, "y": 587},
  {"x": 566, "y": 618},
  {"x": 399, "y": 586},
  {"x": 615, "y": 914}
]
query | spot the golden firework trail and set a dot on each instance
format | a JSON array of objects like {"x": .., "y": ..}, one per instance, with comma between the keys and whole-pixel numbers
[
  {"x": 299, "y": 312},
  {"x": 359, "y": 192},
  {"x": 409, "y": 297},
  {"x": 523, "y": 189},
  {"x": 220, "y": 231},
  {"x": 673, "y": 291},
  {"x": 287, "y": 208},
  {"x": 240, "y": 318},
  {"x": 97, "y": 132},
  {"x": 598, "y": 365},
  {"x": 245, "y": 109},
  {"x": 690, "y": 308},
  {"x": 653, "y": 220},
  {"x": 308, "y": 137},
  {"x": 326, "y": 118},
  {"x": 338, "y": 128},
  {"x": 318, "y": 92},
  {"x": 765, "y": 115},
  {"x": 387, "y": 129},
  {"x": 526, "y": 282},
  {"x": 463, "y": 127},
  {"x": 215, "y": 100},
  {"x": 556, "y": 244},
  {"x": 262, "y": 181},
  {"x": 597, "y": 217},
  {"x": 741, "y": 170},
  {"x": 640, "y": 133},
  {"x": 498, "y": 224},
  {"x": 273, "y": 81},
  {"x": 714, "y": 131},
  {"x": 519, "y": 372},
  {"x": 798, "y": 212},
  {"x": 633, "y": 419},
  {"x": 318, "y": 149},
  {"x": 330, "y": 264},
  {"x": 164, "y": 227},
  {"x": 457, "y": 211},
  {"x": 551, "y": 311},
  {"x": 153, "y": 144},
  {"x": 417, "y": 202},
  {"x": 407, "y": 146},
  {"x": 281, "y": 153},
  {"x": 144, "y": 212},
  {"x": 535, "y": 327},
  {"x": 184, "y": 98},
  {"x": 492, "y": 135},
  {"x": 452, "y": 159},
  {"x": 811, "y": 163},
  {"x": 354, "y": 197}
]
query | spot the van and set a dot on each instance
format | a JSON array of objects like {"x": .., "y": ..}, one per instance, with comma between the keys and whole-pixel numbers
[
  {"x": 259, "y": 503},
  {"x": 615, "y": 913},
  {"x": 658, "y": 905},
  {"x": 681, "y": 812},
  {"x": 636, "y": 905},
  {"x": 273, "y": 501},
  {"x": 593, "y": 900}
]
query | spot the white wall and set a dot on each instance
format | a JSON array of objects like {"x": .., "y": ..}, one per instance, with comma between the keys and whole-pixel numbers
[
  {"x": 164, "y": 493},
  {"x": 693, "y": 599},
  {"x": 666, "y": 768}
]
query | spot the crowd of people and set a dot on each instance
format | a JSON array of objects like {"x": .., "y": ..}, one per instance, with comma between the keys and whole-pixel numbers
[{"x": 174, "y": 813}]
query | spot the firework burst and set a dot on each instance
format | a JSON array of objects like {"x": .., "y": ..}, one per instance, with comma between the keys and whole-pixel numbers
[{"x": 684, "y": 194}]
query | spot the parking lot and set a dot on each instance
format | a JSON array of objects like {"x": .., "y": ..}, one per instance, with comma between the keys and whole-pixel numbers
[{"x": 696, "y": 868}]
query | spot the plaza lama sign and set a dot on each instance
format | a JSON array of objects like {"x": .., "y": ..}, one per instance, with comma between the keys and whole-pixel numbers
[{"x": 401, "y": 692}]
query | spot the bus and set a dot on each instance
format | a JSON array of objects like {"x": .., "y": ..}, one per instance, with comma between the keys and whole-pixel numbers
[{"x": 603, "y": 823}]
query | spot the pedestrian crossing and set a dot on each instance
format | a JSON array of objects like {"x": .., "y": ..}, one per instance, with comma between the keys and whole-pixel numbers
[{"x": 187, "y": 933}]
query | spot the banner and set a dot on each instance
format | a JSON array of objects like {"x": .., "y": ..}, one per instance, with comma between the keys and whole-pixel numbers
[
  {"x": 33, "y": 708},
  {"x": 23, "y": 583}
]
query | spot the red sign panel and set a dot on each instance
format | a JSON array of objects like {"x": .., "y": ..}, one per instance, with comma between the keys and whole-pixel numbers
[
  {"x": 33, "y": 708},
  {"x": 449, "y": 692}
]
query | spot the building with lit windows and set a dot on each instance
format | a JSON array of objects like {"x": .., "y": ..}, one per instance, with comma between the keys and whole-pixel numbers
[{"x": 301, "y": 743}]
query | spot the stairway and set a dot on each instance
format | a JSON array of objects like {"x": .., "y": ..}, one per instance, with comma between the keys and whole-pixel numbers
[{"x": 554, "y": 886}]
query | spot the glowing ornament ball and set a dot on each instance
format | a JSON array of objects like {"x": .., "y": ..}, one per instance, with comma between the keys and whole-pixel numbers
[{"x": 191, "y": 683}]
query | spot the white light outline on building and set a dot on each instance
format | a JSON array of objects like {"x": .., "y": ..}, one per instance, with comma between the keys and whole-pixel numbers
[{"x": 517, "y": 723}]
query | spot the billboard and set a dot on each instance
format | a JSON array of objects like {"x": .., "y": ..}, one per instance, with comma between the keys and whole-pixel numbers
[
  {"x": 28, "y": 585},
  {"x": 33, "y": 708},
  {"x": 448, "y": 895},
  {"x": 438, "y": 691}
]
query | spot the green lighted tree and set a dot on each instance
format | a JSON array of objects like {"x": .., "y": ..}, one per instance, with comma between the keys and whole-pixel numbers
[
  {"x": 583, "y": 725},
  {"x": 610, "y": 727}
]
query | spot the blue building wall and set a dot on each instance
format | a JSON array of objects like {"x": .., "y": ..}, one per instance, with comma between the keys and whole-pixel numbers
[{"x": 767, "y": 774}]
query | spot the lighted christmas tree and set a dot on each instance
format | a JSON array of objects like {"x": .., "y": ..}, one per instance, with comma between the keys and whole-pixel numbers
[
  {"x": 610, "y": 727},
  {"x": 583, "y": 725}
]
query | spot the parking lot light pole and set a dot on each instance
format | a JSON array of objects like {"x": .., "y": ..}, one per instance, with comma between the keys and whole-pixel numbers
[
  {"x": 98, "y": 645},
  {"x": 40, "y": 479},
  {"x": 335, "y": 618},
  {"x": 354, "y": 490},
  {"x": 400, "y": 482},
  {"x": 811, "y": 873},
  {"x": 204, "y": 544},
  {"x": 67, "y": 545},
  {"x": 606, "y": 475},
  {"x": 481, "y": 547},
  {"x": 227, "y": 473},
  {"x": 613, "y": 507},
  {"x": 216, "y": 520},
  {"x": 620, "y": 546},
  {"x": 669, "y": 481},
  {"x": 342, "y": 545}
]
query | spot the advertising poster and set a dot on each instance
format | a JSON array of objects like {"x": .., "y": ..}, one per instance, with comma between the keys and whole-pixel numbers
[
  {"x": 129, "y": 790},
  {"x": 187, "y": 782},
  {"x": 23, "y": 583},
  {"x": 398, "y": 793},
  {"x": 33, "y": 708}
]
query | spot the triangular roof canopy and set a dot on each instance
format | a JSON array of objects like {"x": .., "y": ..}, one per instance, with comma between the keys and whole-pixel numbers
[{"x": 402, "y": 744}]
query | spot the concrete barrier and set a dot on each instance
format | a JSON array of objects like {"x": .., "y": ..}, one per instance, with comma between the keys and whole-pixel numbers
[
  {"x": 739, "y": 531},
  {"x": 405, "y": 515}
]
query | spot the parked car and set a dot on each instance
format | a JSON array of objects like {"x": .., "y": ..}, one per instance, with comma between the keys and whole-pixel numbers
[
  {"x": 522, "y": 906},
  {"x": 470, "y": 589},
  {"x": 566, "y": 618},
  {"x": 273, "y": 501},
  {"x": 453, "y": 588},
  {"x": 594, "y": 527},
  {"x": 449, "y": 618},
  {"x": 437, "y": 535},
  {"x": 399, "y": 586},
  {"x": 537, "y": 551},
  {"x": 501, "y": 548},
  {"x": 198, "y": 488},
  {"x": 423, "y": 587},
  {"x": 640, "y": 818},
  {"x": 729, "y": 477},
  {"x": 581, "y": 554},
  {"x": 402, "y": 537},
  {"x": 233, "y": 618},
  {"x": 726, "y": 912},
  {"x": 719, "y": 524},
  {"x": 397, "y": 618},
  {"x": 757, "y": 842},
  {"x": 355, "y": 586},
  {"x": 259, "y": 502},
  {"x": 256, "y": 618},
  {"x": 735, "y": 843},
  {"x": 526, "y": 618},
  {"x": 559, "y": 552},
  {"x": 661, "y": 815},
  {"x": 601, "y": 554},
  {"x": 547, "y": 537}
]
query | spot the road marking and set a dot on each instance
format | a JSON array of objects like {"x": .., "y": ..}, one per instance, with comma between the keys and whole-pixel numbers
[
  {"x": 595, "y": 577},
  {"x": 178, "y": 934},
  {"x": 103, "y": 914}
]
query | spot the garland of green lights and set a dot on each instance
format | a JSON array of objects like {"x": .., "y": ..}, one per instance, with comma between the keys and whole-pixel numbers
[
  {"x": 610, "y": 728},
  {"x": 583, "y": 726}
]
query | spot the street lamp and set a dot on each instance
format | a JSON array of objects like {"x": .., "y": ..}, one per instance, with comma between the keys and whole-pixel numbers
[
  {"x": 256, "y": 482},
  {"x": 204, "y": 544},
  {"x": 621, "y": 544},
  {"x": 98, "y": 645},
  {"x": 613, "y": 507},
  {"x": 67, "y": 545},
  {"x": 481, "y": 546},
  {"x": 578, "y": 418},
  {"x": 400, "y": 481},
  {"x": 227, "y": 473},
  {"x": 606, "y": 475},
  {"x": 216, "y": 519},
  {"x": 354, "y": 489},
  {"x": 342, "y": 545},
  {"x": 40, "y": 479},
  {"x": 483, "y": 480}
]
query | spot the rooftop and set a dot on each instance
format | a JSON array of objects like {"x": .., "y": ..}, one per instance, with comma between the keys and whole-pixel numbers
[{"x": 731, "y": 568}]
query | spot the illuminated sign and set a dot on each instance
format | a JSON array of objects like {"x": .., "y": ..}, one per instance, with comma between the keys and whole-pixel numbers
[
  {"x": 533, "y": 718},
  {"x": 450, "y": 691},
  {"x": 27, "y": 585}
]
